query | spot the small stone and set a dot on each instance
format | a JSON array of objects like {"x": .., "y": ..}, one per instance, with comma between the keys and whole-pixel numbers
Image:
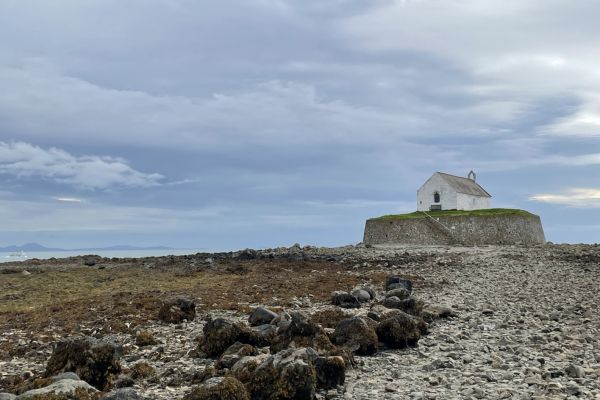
[{"x": 575, "y": 371}]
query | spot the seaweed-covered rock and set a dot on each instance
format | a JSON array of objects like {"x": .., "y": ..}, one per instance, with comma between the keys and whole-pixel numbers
[
  {"x": 145, "y": 338},
  {"x": 409, "y": 305},
  {"x": 344, "y": 300},
  {"x": 175, "y": 311},
  {"x": 220, "y": 333},
  {"x": 219, "y": 388},
  {"x": 394, "y": 281},
  {"x": 400, "y": 330},
  {"x": 234, "y": 353},
  {"x": 302, "y": 332},
  {"x": 263, "y": 334},
  {"x": 358, "y": 334},
  {"x": 401, "y": 292},
  {"x": 331, "y": 372},
  {"x": 96, "y": 361},
  {"x": 261, "y": 316},
  {"x": 63, "y": 389},
  {"x": 244, "y": 368},
  {"x": 432, "y": 313},
  {"x": 289, "y": 374}
]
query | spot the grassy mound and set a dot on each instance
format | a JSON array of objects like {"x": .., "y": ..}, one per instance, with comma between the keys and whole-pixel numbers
[{"x": 489, "y": 212}]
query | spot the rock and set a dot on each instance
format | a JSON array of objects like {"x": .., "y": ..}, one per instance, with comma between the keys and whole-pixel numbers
[
  {"x": 361, "y": 295},
  {"x": 432, "y": 313},
  {"x": 123, "y": 394},
  {"x": 344, "y": 300},
  {"x": 177, "y": 310},
  {"x": 247, "y": 254},
  {"x": 7, "y": 396},
  {"x": 401, "y": 292},
  {"x": 410, "y": 305},
  {"x": 302, "y": 332},
  {"x": 234, "y": 353},
  {"x": 264, "y": 333},
  {"x": 575, "y": 371},
  {"x": 289, "y": 374},
  {"x": 399, "y": 330},
  {"x": 65, "y": 375},
  {"x": 219, "y": 388},
  {"x": 244, "y": 369},
  {"x": 95, "y": 361},
  {"x": 220, "y": 333},
  {"x": 145, "y": 338},
  {"x": 395, "y": 282},
  {"x": 68, "y": 388},
  {"x": 261, "y": 316},
  {"x": 358, "y": 334},
  {"x": 142, "y": 370},
  {"x": 331, "y": 372},
  {"x": 374, "y": 315}
]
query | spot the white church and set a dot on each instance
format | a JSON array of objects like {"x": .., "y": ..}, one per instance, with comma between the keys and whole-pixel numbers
[{"x": 449, "y": 192}]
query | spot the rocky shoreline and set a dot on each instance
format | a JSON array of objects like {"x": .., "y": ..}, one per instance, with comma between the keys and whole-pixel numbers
[{"x": 518, "y": 322}]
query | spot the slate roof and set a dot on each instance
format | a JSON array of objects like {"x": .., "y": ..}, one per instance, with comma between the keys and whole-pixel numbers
[{"x": 464, "y": 185}]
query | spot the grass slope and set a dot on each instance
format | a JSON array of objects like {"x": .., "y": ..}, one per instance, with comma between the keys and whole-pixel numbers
[{"x": 489, "y": 212}]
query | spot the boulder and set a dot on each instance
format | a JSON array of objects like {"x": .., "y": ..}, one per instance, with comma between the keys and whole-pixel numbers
[
  {"x": 123, "y": 394},
  {"x": 261, "y": 316},
  {"x": 219, "y": 388},
  {"x": 220, "y": 333},
  {"x": 175, "y": 311},
  {"x": 401, "y": 293},
  {"x": 399, "y": 330},
  {"x": 394, "y": 282},
  {"x": 302, "y": 332},
  {"x": 344, "y": 300},
  {"x": 289, "y": 374},
  {"x": 358, "y": 334},
  {"x": 432, "y": 313},
  {"x": 361, "y": 295},
  {"x": 264, "y": 333},
  {"x": 244, "y": 368},
  {"x": 409, "y": 305},
  {"x": 331, "y": 372},
  {"x": 234, "y": 353},
  {"x": 96, "y": 361},
  {"x": 65, "y": 375},
  {"x": 64, "y": 388}
]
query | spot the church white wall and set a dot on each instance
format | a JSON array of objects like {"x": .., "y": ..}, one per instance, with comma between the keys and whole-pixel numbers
[
  {"x": 468, "y": 202},
  {"x": 448, "y": 196}
]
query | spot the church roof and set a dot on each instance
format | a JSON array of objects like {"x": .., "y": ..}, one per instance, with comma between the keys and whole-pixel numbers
[{"x": 464, "y": 185}]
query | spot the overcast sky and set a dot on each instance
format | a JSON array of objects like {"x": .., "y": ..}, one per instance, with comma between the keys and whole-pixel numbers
[{"x": 230, "y": 124}]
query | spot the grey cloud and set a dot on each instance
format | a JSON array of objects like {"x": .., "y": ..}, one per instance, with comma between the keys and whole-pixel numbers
[{"x": 20, "y": 159}]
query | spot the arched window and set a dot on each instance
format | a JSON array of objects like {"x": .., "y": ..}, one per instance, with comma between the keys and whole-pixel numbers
[{"x": 436, "y": 197}]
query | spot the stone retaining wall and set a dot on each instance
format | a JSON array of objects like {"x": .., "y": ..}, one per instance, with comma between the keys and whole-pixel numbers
[{"x": 467, "y": 230}]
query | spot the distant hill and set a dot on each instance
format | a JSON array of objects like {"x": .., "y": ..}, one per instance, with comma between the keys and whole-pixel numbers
[{"x": 38, "y": 247}]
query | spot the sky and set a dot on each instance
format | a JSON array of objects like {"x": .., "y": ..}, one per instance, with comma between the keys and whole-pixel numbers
[{"x": 261, "y": 123}]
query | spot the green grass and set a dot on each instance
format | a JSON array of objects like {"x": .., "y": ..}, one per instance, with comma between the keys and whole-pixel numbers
[{"x": 490, "y": 212}]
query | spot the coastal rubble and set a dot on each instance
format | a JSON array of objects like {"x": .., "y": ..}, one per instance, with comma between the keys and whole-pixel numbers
[{"x": 507, "y": 322}]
